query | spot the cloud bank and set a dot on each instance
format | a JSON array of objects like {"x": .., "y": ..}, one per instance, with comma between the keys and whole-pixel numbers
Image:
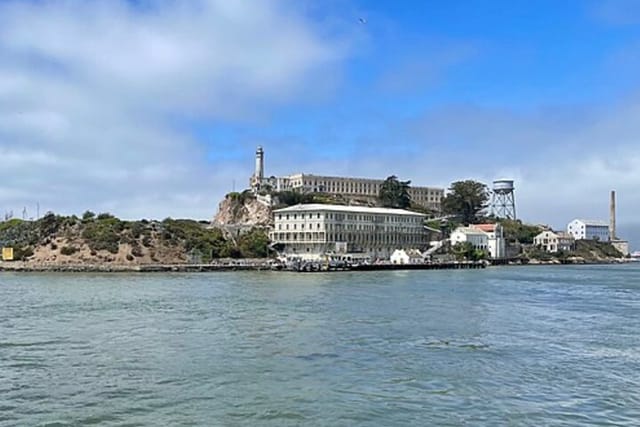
[{"x": 94, "y": 96}]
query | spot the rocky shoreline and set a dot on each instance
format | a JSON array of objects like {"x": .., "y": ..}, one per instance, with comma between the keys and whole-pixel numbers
[
  {"x": 234, "y": 265},
  {"x": 256, "y": 264}
]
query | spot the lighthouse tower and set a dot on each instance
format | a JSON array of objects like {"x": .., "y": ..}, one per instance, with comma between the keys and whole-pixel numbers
[{"x": 258, "y": 175}]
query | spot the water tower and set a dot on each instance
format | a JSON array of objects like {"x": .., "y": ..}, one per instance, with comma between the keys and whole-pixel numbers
[{"x": 503, "y": 202}]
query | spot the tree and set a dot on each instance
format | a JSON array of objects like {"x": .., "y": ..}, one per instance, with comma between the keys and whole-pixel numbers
[
  {"x": 394, "y": 193},
  {"x": 466, "y": 199},
  {"x": 88, "y": 216}
]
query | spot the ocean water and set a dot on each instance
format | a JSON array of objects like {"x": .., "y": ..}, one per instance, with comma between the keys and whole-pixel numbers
[{"x": 519, "y": 346}]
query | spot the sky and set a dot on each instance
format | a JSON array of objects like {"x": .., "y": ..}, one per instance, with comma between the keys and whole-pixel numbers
[{"x": 150, "y": 109}]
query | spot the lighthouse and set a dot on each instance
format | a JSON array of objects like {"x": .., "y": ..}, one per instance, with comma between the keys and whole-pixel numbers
[
  {"x": 257, "y": 178},
  {"x": 259, "y": 173}
]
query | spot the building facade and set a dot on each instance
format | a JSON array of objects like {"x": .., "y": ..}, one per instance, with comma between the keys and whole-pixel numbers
[
  {"x": 589, "y": 229},
  {"x": 486, "y": 237},
  {"x": 550, "y": 241},
  {"x": 366, "y": 188},
  {"x": 313, "y": 231},
  {"x": 495, "y": 239},
  {"x": 407, "y": 256},
  {"x": 477, "y": 238}
]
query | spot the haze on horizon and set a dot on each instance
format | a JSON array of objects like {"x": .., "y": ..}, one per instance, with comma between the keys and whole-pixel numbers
[{"x": 151, "y": 108}]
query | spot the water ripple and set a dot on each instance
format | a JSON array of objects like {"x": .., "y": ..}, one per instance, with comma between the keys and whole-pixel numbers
[{"x": 503, "y": 346}]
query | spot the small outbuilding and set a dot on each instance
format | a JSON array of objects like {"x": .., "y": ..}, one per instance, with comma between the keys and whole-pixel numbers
[{"x": 407, "y": 256}]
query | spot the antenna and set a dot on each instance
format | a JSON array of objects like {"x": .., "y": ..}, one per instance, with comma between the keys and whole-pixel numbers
[
  {"x": 24, "y": 213},
  {"x": 37, "y": 210}
]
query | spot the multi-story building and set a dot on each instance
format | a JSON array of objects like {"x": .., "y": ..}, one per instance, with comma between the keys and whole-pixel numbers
[
  {"x": 366, "y": 188},
  {"x": 589, "y": 229},
  {"x": 486, "y": 237},
  {"x": 495, "y": 238},
  {"x": 551, "y": 241},
  {"x": 477, "y": 238},
  {"x": 312, "y": 231}
]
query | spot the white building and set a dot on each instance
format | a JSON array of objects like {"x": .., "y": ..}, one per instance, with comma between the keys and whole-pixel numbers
[
  {"x": 589, "y": 229},
  {"x": 551, "y": 241},
  {"x": 478, "y": 238},
  {"x": 365, "y": 188},
  {"x": 495, "y": 239},
  {"x": 407, "y": 256},
  {"x": 486, "y": 237},
  {"x": 312, "y": 231}
]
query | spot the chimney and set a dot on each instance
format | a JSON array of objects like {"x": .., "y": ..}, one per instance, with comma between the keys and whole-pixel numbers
[{"x": 612, "y": 216}]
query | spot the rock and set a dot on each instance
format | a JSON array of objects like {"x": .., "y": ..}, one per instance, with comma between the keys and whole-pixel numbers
[{"x": 242, "y": 210}]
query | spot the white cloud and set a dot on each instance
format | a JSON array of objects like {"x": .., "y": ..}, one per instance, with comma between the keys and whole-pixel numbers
[
  {"x": 564, "y": 161},
  {"x": 90, "y": 93}
]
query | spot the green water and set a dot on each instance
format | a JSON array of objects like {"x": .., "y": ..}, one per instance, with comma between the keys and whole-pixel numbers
[{"x": 502, "y": 346}]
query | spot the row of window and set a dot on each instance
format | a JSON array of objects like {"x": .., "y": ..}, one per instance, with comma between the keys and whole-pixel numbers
[
  {"x": 353, "y": 217},
  {"x": 349, "y": 237}
]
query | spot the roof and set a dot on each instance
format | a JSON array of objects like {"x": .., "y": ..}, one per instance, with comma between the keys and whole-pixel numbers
[
  {"x": 487, "y": 228},
  {"x": 593, "y": 222},
  {"x": 349, "y": 209},
  {"x": 469, "y": 230},
  {"x": 558, "y": 234},
  {"x": 563, "y": 235}
]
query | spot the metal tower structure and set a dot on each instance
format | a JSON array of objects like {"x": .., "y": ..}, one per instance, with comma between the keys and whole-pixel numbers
[{"x": 503, "y": 202}]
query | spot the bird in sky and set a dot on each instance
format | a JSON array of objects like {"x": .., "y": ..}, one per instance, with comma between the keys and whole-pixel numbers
[{"x": 363, "y": 21}]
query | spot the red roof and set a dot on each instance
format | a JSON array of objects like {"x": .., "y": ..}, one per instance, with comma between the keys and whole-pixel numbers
[{"x": 487, "y": 228}]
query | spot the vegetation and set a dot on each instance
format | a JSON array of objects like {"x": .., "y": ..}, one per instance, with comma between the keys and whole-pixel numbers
[
  {"x": 593, "y": 248},
  {"x": 104, "y": 234},
  {"x": 394, "y": 193},
  {"x": 68, "y": 250},
  {"x": 290, "y": 198},
  {"x": 466, "y": 251},
  {"x": 240, "y": 197},
  {"x": 466, "y": 200},
  {"x": 516, "y": 231},
  {"x": 254, "y": 244},
  {"x": 200, "y": 242}
]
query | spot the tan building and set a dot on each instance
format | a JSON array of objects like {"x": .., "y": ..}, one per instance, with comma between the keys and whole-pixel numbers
[
  {"x": 551, "y": 241},
  {"x": 314, "y": 230}
]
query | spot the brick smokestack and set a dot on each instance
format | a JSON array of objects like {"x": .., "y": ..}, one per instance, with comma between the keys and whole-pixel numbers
[{"x": 612, "y": 216}]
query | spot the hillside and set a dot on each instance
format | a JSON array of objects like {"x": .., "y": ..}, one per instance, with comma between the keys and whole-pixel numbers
[{"x": 106, "y": 239}]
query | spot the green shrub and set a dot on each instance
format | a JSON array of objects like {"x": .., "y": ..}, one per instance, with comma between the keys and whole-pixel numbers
[
  {"x": 103, "y": 234},
  {"x": 68, "y": 250},
  {"x": 22, "y": 253}
]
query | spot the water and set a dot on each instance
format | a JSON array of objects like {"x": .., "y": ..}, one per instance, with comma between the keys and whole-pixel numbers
[{"x": 503, "y": 346}]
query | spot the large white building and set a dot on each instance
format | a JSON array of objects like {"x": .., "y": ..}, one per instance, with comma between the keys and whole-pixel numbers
[
  {"x": 477, "y": 238},
  {"x": 366, "y": 188},
  {"x": 486, "y": 237},
  {"x": 589, "y": 229},
  {"x": 495, "y": 238},
  {"x": 312, "y": 231}
]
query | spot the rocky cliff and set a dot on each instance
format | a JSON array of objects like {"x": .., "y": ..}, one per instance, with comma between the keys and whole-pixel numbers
[{"x": 242, "y": 209}]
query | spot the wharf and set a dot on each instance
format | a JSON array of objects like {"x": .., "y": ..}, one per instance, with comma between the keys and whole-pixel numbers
[
  {"x": 253, "y": 265},
  {"x": 309, "y": 267}
]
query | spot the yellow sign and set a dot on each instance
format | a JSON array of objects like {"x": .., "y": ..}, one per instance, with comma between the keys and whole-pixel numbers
[{"x": 7, "y": 254}]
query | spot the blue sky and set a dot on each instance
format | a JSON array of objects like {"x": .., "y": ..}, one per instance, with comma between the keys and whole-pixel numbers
[{"x": 154, "y": 108}]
